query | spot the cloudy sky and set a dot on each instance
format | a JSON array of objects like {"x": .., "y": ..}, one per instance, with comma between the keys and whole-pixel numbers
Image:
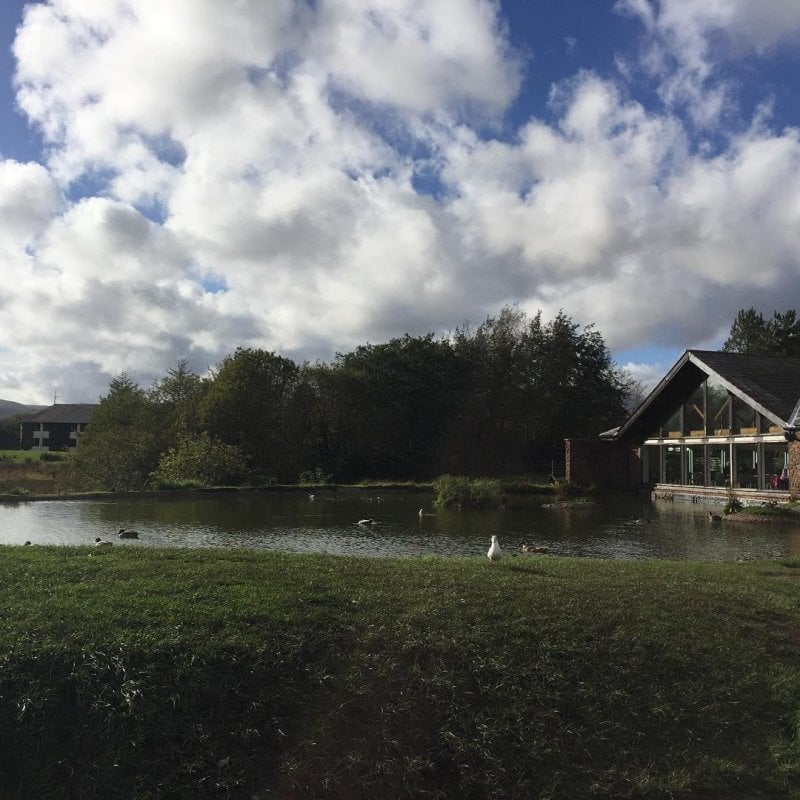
[{"x": 181, "y": 178}]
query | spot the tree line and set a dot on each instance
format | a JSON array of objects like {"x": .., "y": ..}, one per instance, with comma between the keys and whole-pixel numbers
[
  {"x": 751, "y": 332},
  {"x": 489, "y": 400}
]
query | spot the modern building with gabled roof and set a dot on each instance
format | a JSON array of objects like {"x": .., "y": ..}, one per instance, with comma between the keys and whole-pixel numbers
[
  {"x": 716, "y": 422},
  {"x": 57, "y": 427}
]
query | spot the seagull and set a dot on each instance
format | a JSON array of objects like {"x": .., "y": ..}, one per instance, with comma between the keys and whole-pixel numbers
[
  {"x": 494, "y": 551},
  {"x": 123, "y": 534},
  {"x": 98, "y": 542}
]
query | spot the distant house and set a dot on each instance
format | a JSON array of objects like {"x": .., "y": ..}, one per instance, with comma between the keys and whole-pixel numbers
[
  {"x": 716, "y": 422},
  {"x": 58, "y": 427}
]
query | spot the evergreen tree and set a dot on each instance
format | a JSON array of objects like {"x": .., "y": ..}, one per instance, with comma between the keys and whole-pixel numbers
[
  {"x": 752, "y": 333},
  {"x": 121, "y": 446}
]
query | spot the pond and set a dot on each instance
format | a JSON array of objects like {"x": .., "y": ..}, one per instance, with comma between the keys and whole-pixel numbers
[{"x": 327, "y": 522}]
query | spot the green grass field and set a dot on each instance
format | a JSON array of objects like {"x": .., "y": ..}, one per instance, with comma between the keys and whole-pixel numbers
[{"x": 143, "y": 673}]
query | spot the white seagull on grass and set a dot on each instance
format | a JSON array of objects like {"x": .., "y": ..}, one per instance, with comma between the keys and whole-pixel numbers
[{"x": 494, "y": 551}]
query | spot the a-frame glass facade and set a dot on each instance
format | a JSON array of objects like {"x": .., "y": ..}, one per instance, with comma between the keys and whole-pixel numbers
[{"x": 716, "y": 439}]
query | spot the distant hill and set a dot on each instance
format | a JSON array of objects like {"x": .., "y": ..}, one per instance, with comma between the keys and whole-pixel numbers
[{"x": 8, "y": 408}]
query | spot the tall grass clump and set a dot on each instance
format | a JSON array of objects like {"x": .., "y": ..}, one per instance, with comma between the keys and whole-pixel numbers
[
  {"x": 733, "y": 505},
  {"x": 457, "y": 491}
]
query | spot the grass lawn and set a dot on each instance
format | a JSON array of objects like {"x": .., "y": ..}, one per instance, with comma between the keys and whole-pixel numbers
[{"x": 143, "y": 673}]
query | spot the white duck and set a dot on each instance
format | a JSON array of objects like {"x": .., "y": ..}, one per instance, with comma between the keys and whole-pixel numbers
[{"x": 494, "y": 551}]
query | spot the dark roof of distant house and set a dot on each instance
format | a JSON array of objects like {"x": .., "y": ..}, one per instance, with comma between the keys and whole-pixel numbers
[
  {"x": 64, "y": 412},
  {"x": 769, "y": 383}
]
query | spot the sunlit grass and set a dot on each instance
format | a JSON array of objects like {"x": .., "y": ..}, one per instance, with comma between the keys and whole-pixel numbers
[{"x": 163, "y": 673}]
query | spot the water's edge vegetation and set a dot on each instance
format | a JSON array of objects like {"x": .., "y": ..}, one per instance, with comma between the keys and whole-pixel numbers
[{"x": 171, "y": 674}]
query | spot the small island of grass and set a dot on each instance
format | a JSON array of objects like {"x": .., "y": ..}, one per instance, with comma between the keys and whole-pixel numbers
[{"x": 769, "y": 514}]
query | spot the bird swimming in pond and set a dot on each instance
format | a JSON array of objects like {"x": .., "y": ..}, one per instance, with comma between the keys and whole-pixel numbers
[
  {"x": 494, "y": 551},
  {"x": 714, "y": 517},
  {"x": 123, "y": 534},
  {"x": 366, "y": 522},
  {"x": 98, "y": 542},
  {"x": 534, "y": 548}
]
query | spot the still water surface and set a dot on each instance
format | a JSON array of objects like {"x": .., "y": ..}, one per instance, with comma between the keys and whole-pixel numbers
[{"x": 623, "y": 528}]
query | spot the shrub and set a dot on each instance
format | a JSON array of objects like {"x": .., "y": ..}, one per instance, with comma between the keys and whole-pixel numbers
[
  {"x": 733, "y": 504},
  {"x": 314, "y": 477},
  {"x": 198, "y": 461},
  {"x": 458, "y": 491}
]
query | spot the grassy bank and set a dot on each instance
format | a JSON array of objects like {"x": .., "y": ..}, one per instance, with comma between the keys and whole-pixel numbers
[
  {"x": 23, "y": 473},
  {"x": 139, "y": 673}
]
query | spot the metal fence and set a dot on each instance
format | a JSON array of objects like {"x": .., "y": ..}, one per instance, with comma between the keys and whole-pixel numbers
[{"x": 548, "y": 471}]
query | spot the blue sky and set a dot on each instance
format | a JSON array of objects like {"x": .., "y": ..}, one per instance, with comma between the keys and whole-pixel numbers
[{"x": 179, "y": 179}]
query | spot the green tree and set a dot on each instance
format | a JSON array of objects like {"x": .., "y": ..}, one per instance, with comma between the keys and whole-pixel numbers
[
  {"x": 574, "y": 389},
  {"x": 248, "y": 403},
  {"x": 121, "y": 447},
  {"x": 529, "y": 386},
  {"x": 392, "y": 405},
  {"x": 752, "y": 333},
  {"x": 179, "y": 395},
  {"x": 491, "y": 363},
  {"x": 199, "y": 460},
  {"x": 9, "y": 432}
]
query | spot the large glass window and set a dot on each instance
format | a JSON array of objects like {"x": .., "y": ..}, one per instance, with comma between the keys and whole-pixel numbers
[
  {"x": 746, "y": 466},
  {"x": 672, "y": 427},
  {"x": 718, "y": 404},
  {"x": 694, "y": 413},
  {"x": 652, "y": 458},
  {"x": 767, "y": 426},
  {"x": 672, "y": 464},
  {"x": 695, "y": 464},
  {"x": 719, "y": 467},
  {"x": 744, "y": 418},
  {"x": 776, "y": 466}
]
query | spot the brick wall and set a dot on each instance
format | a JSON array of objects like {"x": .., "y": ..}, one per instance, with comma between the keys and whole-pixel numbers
[
  {"x": 794, "y": 469},
  {"x": 594, "y": 462}
]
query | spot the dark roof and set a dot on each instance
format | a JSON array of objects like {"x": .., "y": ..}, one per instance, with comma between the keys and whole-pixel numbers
[
  {"x": 771, "y": 384},
  {"x": 64, "y": 412}
]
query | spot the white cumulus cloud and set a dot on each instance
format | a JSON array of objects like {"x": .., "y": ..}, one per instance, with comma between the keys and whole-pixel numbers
[{"x": 307, "y": 177}]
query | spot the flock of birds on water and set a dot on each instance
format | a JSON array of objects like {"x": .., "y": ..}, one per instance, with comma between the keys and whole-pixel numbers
[{"x": 494, "y": 553}]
